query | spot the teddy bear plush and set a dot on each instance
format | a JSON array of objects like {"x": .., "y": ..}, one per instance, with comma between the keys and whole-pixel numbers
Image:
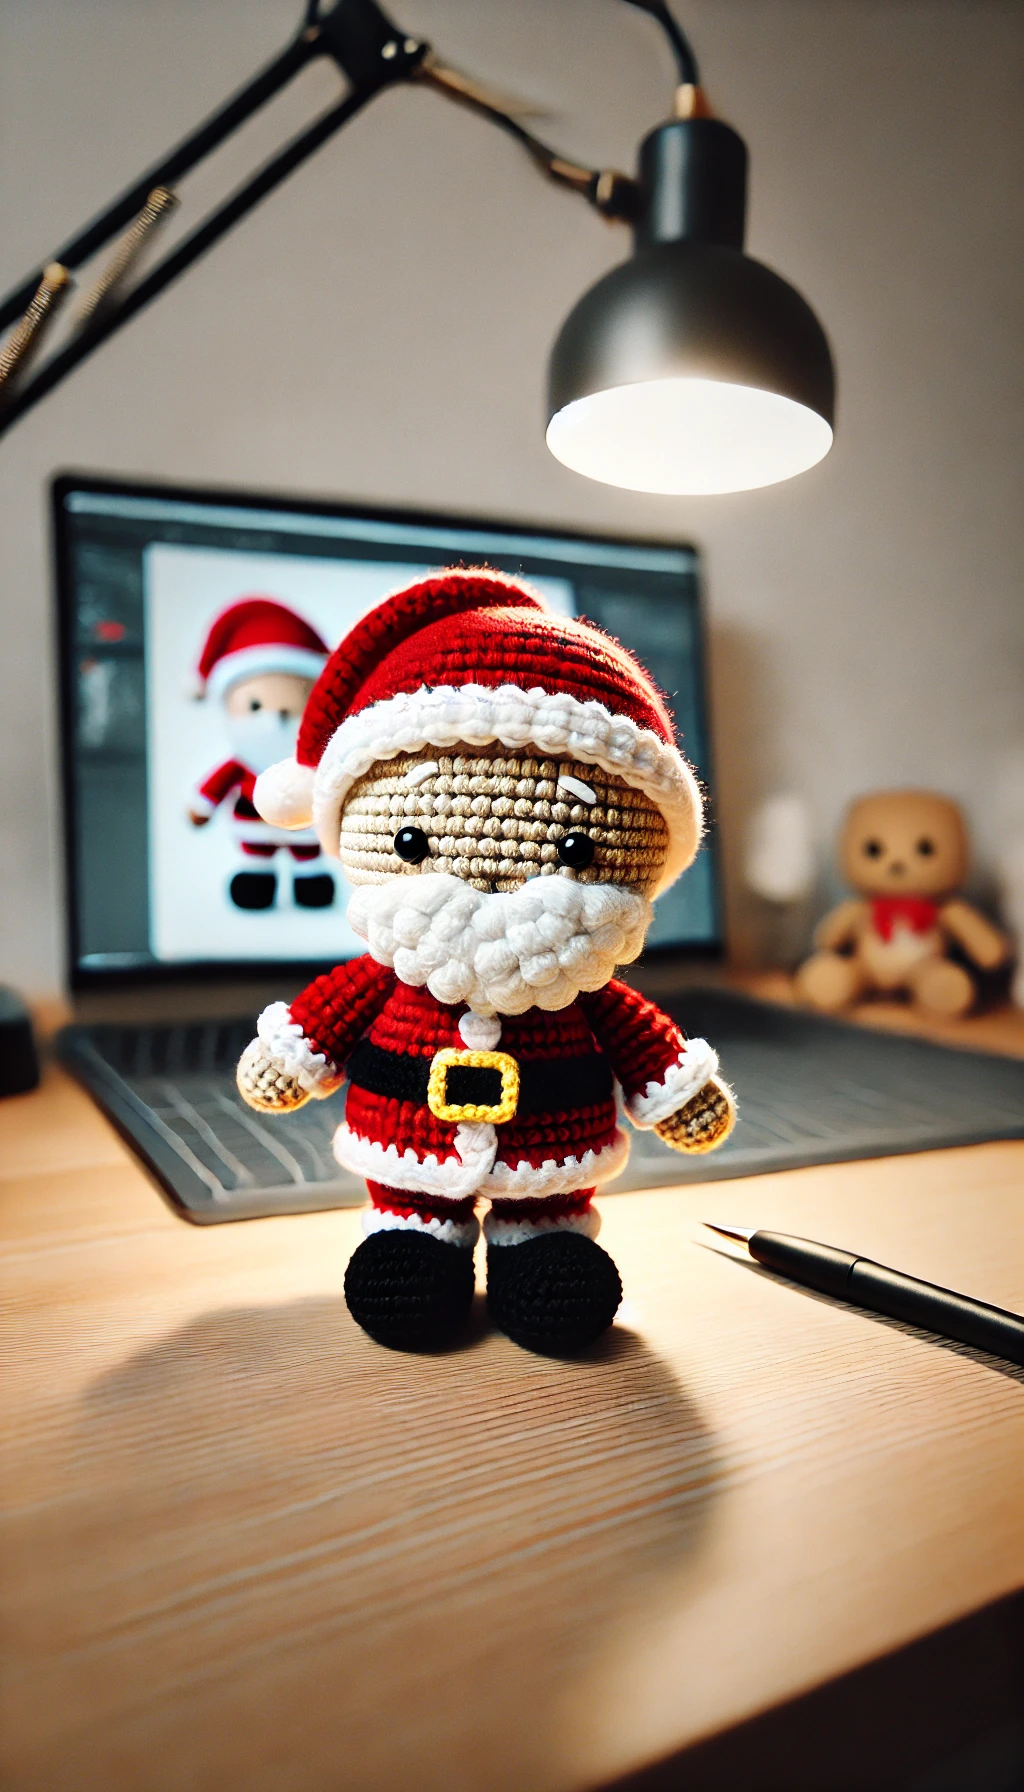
[
  {"x": 503, "y": 788},
  {"x": 905, "y": 853}
]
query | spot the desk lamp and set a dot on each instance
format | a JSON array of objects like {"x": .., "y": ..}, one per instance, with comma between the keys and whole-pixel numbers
[{"x": 690, "y": 368}]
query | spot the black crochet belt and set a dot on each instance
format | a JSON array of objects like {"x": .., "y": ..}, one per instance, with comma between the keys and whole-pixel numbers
[{"x": 545, "y": 1085}]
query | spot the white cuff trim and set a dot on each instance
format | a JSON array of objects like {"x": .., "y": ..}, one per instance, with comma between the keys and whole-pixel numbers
[
  {"x": 460, "y": 1232},
  {"x": 202, "y": 805},
  {"x": 694, "y": 1067},
  {"x": 502, "y": 1232},
  {"x": 292, "y": 1051}
]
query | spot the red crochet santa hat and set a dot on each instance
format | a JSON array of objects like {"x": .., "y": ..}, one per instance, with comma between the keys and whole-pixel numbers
[
  {"x": 476, "y": 657},
  {"x": 257, "y": 635}
]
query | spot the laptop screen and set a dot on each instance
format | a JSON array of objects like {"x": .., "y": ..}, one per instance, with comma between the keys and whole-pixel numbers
[{"x": 168, "y": 866}]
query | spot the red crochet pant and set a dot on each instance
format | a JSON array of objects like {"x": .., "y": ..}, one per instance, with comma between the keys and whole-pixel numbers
[{"x": 508, "y": 1222}]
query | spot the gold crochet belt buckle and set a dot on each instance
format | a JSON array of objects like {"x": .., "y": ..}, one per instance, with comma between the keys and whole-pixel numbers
[{"x": 442, "y": 1066}]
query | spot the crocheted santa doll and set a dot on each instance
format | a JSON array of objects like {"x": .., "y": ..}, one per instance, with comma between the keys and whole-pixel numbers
[
  {"x": 503, "y": 787},
  {"x": 260, "y": 662}
]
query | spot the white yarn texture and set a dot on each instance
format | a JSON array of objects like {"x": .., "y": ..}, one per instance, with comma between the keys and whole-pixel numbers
[
  {"x": 463, "y": 1172},
  {"x": 472, "y": 1169},
  {"x": 501, "y": 1232},
  {"x": 694, "y": 1067},
  {"x": 480, "y": 1032},
  {"x": 291, "y": 1050},
  {"x": 461, "y": 1232},
  {"x": 501, "y": 953}
]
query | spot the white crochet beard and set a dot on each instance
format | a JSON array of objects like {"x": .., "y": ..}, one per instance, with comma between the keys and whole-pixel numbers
[{"x": 501, "y": 953}]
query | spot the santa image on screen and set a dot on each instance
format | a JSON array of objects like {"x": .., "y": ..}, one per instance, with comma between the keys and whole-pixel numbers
[{"x": 259, "y": 663}]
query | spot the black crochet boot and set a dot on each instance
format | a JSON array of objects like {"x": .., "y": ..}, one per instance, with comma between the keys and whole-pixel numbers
[
  {"x": 409, "y": 1290},
  {"x": 554, "y": 1293}
]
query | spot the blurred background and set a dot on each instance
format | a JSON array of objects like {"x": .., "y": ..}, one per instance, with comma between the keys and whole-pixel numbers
[{"x": 379, "y": 330}]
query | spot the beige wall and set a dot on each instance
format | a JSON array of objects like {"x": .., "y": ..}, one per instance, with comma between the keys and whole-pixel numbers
[{"x": 379, "y": 330}]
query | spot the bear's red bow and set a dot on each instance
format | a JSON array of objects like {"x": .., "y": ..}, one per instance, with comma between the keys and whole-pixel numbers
[{"x": 916, "y": 913}]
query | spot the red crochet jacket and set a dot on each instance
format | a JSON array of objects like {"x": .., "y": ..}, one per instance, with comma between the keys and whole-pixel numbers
[{"x": 565, "y": 1134}]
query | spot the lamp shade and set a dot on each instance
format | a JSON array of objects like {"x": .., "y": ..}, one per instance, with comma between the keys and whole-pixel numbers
[{"x": 691, "y": 368}]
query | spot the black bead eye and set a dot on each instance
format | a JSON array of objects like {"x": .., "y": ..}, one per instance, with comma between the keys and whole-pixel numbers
[
  {"x": 576, "y": 851},
  {"x": 412, "y": 845},
  {"x": 873, "y": 849},
  {"x": 926, "y": 847}
]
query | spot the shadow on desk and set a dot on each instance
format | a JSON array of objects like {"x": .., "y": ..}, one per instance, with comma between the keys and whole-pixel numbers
[
  {"x": 278, "y": 1548},
  {"x": 944, "y": 1715}
]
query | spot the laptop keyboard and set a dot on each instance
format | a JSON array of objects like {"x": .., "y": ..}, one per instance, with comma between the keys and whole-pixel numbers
[
  {"x": 810, "y": 1091},
  {"x": 171, "y": 1092}
]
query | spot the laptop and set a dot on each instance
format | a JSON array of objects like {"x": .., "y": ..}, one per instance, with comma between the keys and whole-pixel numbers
[{"x": 179, "y": 933}]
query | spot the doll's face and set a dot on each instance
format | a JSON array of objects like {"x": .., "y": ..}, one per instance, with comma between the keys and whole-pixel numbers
[
  {"x": 495, "y": 818},
  {"x": 904, "y": 842},
  {"x": 281, "y": 693}
]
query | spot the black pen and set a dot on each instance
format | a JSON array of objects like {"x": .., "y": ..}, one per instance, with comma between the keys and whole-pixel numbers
[{"x": 866, "y": 1284}]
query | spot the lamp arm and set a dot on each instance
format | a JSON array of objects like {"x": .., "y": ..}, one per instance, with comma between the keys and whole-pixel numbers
[
  {"x": 179, "y": 161},
  {"x": 613, "y": 194},
  {"x": 213, "y": 227},
  {"x": 374, "y": 54}
]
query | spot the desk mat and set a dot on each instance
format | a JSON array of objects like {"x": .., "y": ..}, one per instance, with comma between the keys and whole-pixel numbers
[{"x": 810, "y": 1091}]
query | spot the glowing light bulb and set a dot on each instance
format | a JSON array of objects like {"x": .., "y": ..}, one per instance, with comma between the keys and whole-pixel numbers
[{"x": 688, "y": 436}]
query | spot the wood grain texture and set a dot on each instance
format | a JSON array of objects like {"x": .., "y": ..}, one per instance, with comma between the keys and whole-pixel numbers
[{"x": 243, "y": 1547}]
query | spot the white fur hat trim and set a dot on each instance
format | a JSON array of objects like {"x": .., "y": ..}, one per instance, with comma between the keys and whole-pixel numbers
[{"x": 445, "y": 715}]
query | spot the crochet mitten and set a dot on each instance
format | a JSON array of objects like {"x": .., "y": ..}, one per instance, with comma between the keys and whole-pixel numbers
[
  {"x": 705, "y": 1122},
  {"x": 264, "y": 1085}
]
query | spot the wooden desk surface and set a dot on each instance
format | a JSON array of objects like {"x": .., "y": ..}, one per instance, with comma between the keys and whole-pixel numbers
[{"x": 243, "y": 1547}]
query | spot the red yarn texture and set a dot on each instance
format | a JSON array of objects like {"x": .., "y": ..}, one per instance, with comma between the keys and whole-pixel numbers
[
  {"x": 639, "y": 1041},
  {"x": 335, "y": 1010},
  {"x": 401, "y": 1202},
  {"x": 637, "y": 1038},
  {"x": 474, "y": 628}
]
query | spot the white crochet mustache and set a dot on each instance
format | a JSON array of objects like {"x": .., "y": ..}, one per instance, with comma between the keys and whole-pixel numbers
[{"x": 501, "y": 953}]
